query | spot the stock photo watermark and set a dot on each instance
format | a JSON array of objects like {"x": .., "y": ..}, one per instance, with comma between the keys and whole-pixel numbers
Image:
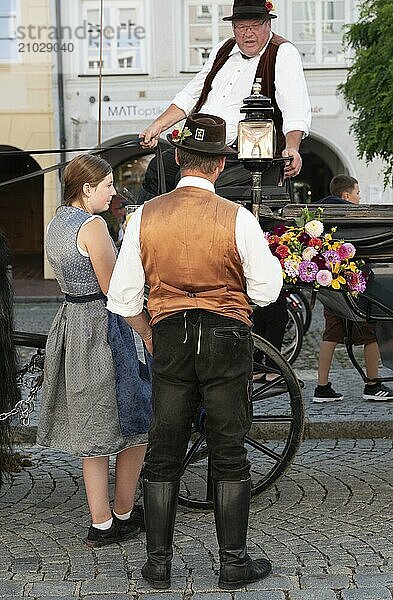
[{"x": 48, "y": 38}]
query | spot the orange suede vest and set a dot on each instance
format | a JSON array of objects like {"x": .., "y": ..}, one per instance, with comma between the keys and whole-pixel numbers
[{"x": 190, "y": 257}]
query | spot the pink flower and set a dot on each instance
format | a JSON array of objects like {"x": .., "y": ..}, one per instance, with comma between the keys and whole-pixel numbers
[
  {"x": 307, "y": 271},
  {"x": 324, "y": 278},
  {"x": 346, "y": 250},
  {"x": 355, "y": 281},
  {"x": 331, "y": 257}
]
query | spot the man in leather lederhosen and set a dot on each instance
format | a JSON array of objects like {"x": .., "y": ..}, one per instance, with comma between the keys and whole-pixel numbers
[{"x": 203, "y": 257}]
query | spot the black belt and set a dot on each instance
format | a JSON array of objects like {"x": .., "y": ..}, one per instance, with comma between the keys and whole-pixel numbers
[{"x": 86, "y": 298}]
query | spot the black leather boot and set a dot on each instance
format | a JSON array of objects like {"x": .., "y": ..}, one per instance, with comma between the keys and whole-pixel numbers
[
  {"x": 231, "y": 509},
  {"x": 160, "y": 499}
]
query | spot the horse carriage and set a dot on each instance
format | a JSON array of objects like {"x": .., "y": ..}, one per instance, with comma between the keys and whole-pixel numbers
[{"x": 278, "y": 409}]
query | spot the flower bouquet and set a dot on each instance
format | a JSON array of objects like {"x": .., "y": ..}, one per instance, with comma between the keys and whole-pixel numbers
[{"x": 310, "y": 255}]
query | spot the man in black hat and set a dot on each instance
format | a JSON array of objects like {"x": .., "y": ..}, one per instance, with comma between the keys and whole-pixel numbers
[
  {"x": 227, "y": 78},
  {"x": 203, "y": 258}
]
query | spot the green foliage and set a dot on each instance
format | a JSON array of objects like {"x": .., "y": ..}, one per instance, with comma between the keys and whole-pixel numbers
[
  {"x": 368, "y": 90},
  {"x": 308, "y": 215}
]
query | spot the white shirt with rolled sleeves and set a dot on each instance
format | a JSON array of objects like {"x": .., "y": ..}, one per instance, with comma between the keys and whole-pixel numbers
[
  {"x": 262, "y": 270},
  {"x": 234, "y": 81}
]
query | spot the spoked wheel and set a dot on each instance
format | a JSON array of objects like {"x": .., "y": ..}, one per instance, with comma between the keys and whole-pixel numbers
[
  {"x": 294, "y": 334},
  {"x": 273, "y": 440}
]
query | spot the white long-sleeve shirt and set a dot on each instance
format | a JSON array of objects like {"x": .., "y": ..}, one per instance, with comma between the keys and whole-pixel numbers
[
  {"x": 262, "y": 270},
  {"x": 234, "y": 81}
]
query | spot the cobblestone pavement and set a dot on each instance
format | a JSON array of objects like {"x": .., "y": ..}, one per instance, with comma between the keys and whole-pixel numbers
[{"x": 326, "y": 527}]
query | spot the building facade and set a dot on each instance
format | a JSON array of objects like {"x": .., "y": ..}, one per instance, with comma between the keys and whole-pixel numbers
[
  {"x": 49, "y": 70},
  {"x": 152, "y": 49},
  {"x": 27, "y": 108}
]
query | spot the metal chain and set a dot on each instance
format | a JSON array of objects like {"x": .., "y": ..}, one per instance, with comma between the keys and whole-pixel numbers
[{"x": 25, "y": 407}]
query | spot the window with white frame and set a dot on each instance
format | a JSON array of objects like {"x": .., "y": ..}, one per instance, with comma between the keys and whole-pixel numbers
[
  {"x": 8, "y": 24},
  {"x": 204, "y": 29},
  {"x": 317, "y": 29},
  {"x": 124, "y": 36}
]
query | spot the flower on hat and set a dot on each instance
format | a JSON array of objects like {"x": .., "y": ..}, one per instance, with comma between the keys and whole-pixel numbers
[
  {"x": 178, "y": 136},
  {"x": 269, "y": 6}
]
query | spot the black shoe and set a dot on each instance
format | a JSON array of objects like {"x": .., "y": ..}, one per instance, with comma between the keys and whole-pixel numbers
[
  {"x": 135, "y": 522},
  {"x": 378, "y": 392},
  {"x": 96, "y": 538},
  {"x": 254, "y": 570},
  {"x": 325, "y": 393}
]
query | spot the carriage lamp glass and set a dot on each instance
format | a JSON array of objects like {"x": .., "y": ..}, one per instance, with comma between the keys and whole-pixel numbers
[{"x": 256, "y": 139}]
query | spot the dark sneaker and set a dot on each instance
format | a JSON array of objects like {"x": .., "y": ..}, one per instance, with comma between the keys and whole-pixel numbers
[
  {"x": 325, "y": 393},
  {"x": 96, "y": 538},
  {"x": 136, "y": 521},
  {"x": 377, "y": 391}
]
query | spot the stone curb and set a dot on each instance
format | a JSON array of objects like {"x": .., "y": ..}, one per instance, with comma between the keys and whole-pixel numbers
[{"x": 331, "y": 430}]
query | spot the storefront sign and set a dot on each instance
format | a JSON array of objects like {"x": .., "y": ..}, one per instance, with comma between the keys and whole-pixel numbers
[
  {"x": 325, "y": 106},
  {"x": 141, "y": 110}
]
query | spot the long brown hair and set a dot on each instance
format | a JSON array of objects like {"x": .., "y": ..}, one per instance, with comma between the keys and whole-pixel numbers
[{"x": 85, "y": 168}]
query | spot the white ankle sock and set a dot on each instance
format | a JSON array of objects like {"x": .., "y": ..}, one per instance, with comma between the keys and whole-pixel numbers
[
  {"x": 103, "y": 526},
  {"x": 123, "y": 517}
]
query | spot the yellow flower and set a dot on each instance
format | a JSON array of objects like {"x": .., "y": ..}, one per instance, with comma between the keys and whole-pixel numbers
[
  {"x": 351, "y": 267},
  {"x": 286, "y": 237},
  {"x": 337, "y": 282}
]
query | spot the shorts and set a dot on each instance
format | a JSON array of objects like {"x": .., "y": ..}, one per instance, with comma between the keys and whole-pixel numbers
[{"x": 362, "y": 333}]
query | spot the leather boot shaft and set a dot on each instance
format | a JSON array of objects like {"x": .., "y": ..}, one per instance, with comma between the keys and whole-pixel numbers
[
  {"x": 231, "y": 511},
  {"x": 160, "y": 500}
]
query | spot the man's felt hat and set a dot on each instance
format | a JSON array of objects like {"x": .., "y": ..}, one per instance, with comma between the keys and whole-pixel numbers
[
  {"x": 251, "y": 9},
  {"x": 202, "y": 133}
]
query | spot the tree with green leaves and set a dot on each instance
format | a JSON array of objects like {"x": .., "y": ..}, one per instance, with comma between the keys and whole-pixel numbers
[{"x": 368, "y": 91}]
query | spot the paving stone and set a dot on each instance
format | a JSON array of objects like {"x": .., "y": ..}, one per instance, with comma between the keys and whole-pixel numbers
[
  {"x": 260, "y": 595},
  {"x": 380, "y": 579},
  {"x": 52, "y": 588},
  {"x": 334, "y": 582},
  {"x": 369, "y": 594},
  {"x": 105, "y": 585},
  {"x": 312, "y": 594},
  {"x": 11, "y": 588},
  {"x": 215, "y": 596}
]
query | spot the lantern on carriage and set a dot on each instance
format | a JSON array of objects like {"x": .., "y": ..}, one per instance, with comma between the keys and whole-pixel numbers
[{"x": 257, "y": 143}]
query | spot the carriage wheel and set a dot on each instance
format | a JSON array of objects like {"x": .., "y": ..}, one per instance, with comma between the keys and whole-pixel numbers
[
  {"x": 274, "y": 438},
  {"x": 294, "y": 334}
]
